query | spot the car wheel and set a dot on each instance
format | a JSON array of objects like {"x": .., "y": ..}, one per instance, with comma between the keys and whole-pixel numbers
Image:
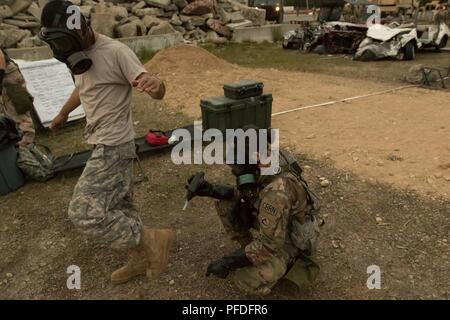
[
  {"x": 443, "y": 42},
  {"x": 409, "y": 51},
  {"x": 287, "y": 44}
]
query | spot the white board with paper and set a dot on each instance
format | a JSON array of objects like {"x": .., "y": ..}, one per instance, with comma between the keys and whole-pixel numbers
[{"x": 50, "y": 83}]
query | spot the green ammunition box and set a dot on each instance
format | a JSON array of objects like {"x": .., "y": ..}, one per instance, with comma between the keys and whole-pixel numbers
[{"x": 224, "y": 113}]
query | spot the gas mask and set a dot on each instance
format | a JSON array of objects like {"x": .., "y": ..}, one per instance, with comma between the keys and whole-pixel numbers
[
  {"x": 67, "y": 47},
  {"x": 246, "y": 181}
]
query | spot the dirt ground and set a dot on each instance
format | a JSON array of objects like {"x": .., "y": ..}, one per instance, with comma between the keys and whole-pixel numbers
[{"x": 387, "y": 158}]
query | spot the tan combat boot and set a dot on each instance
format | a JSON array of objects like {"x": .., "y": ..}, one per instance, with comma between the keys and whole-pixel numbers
[
  {"x": 157, "y": 243},
  {"x": 136, "y": 266},
  {"x": 149, "y": 257}
]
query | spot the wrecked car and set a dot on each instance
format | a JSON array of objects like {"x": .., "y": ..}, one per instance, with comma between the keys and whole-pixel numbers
[
  {"x": 386, "y": 42},
  {"x": 302, "y": 38},
  {"x": 330, "y": 37},
  {"x": 433, "y": 36}
]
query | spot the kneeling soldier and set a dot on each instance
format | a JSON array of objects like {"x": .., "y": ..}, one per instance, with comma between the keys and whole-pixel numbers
[{"x": 273, "y": 218}]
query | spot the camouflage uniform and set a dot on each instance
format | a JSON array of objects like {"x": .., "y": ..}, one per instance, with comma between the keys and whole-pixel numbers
[
  {"x": 283, "y": 229},
  {"x": 102, "y": 204},
  {"x": 23, "y": 120}
]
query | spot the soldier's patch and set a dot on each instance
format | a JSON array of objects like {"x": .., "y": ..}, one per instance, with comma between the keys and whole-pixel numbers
[{"x": 270, "y": 209}]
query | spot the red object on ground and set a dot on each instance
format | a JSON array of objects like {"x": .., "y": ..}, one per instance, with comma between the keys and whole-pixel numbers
[{"x": 156, "y": 138}]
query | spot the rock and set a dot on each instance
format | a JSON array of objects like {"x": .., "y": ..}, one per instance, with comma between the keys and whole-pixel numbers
[
  {"x": 9, "y": 275},
  {"x": 158, "y": 3},
  {"x": 415, "y": 75},
  {"x": 175, "y": 20},
  {"x": 132, "y": 29},
  {"x": 256, "y": 15},
  {"x": 184, "y": 18},
  {"x": 171, "y": 8},
  {"x": 76, "y": 2},
  {"x": 311, "y": 136},
  {"x": 188, "y": 26},
  {"x": 5, "y": 12},
  {"x": 171, "y": 282},
  {"x": 30, "y": 42},
  {"x": 151, "y": 21},
  {"x": 447, "y": 178},
  {"x": 163, "y": 28},
  {"x": 180, "y": 3},
  {"x": 213, "y": 37},
  {"x": 139, "y": 5},
  {"x": 103, "y": 23},
  {"x": 378, "y": 220},
  {"x": 230, "y": 17},
  {"x": 245, "y": 23},
  {"x": 180, "y": 30},
  {"x": 118, "y": 12},
  {"x": 335, "y": 244},
  {"x": 197, "y": 21},
  {"x": 4, "y": 26},
  {"x": 35, "y": 11},
  {"x": 198, "y": 7},
  {"x": 22, "y": 24},
  {"x": 19, "y": 6},
  {"x": 197, "y": 34},
  {"x": 86, "y": 11},
  {"x": 219, "y": 27},
  {"x": 438, "y": 175},
  {"x": 149, "y": 12},
  {"x": 10, "y": 37},
  {"x": 325, "y": 183}
]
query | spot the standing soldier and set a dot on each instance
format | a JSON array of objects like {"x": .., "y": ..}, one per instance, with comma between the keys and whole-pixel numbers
[
  {"x": 273, "y": 219},
  {"x": 15, "y": 101},
  {"x": 105, "y": 71}
]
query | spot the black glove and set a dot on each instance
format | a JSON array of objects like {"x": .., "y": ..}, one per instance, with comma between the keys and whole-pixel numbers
[
  {"x": 222, "y": 267},
  {"x": 206, "y": 189}
]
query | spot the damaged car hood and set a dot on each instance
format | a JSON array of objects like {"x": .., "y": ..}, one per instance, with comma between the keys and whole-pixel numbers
[{"x": 384, "y": 33}]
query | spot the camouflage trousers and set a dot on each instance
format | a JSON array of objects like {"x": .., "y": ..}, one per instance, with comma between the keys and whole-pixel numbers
[
  {"x": 257, "y": 279},
  {"x": 102, "y": 203},
  {"x": 23, "y": 121}
]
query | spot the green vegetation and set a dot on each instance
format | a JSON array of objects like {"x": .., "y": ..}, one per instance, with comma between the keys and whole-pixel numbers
[
  {"x": 271, "y": 55},
  {"x": 145, "y": 54}
]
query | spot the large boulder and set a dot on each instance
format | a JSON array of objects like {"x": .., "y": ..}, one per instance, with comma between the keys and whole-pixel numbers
[
  {"x": 20, "y": 5},
  {"x": 198, "y": 8},
  {"x": 23, "y": 23},
  {"x": 163, "y": 28},
  {"x": 10, "y": 37},
  {"x": 198, "y": 21},
  {"x": 139, "y": 5},
  {"x": 212, "y": 36},
  {"x": 86, "y": 11},
  {"x": 149, "y": 12},
  {"x": 151, "y": 21},
  {"x": 30, "y": 42},
  {"x": 5, "y": 12},
  {"x": 175, "y": 20},
  {"x": 132, "y": 29},
  {"x": 103, "y": 23},
  {"x": 255, "y": 15},
  {"x": 35, "y": 11},
  {"x": 180, "y": 3},
  {"x": 219, "y": 27},
  {"x": 158, "y": 3},
  {"x": 118, "y": 12},
  {"x": 230, "y": 17}
]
